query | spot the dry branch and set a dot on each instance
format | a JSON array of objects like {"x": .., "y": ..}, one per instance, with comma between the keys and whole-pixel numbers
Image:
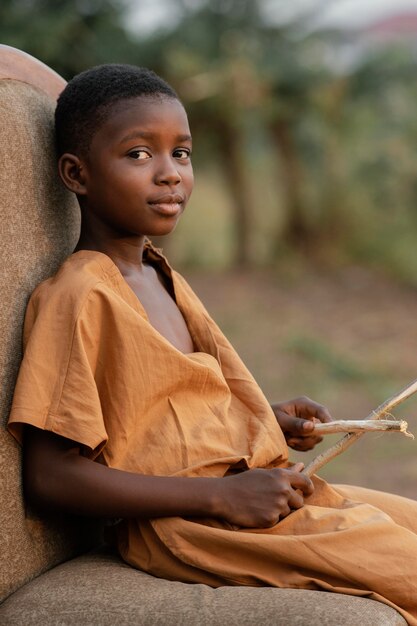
[
  {"x": 352, "y": 426},
  {"x": 384, "y": 409}
]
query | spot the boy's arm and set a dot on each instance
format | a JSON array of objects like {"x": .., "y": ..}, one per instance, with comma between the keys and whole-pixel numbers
[
  {"x": 297, "y": 417},
  {"x": 57, "y": 477}
]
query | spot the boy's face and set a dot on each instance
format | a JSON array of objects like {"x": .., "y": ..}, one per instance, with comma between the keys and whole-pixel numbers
[{"x": 138, "y": 175}]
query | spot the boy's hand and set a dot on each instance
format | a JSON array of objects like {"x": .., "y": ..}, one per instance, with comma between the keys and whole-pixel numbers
[
  {"x": 259, "y": 498},
  {"x": 296, "y": 418}
]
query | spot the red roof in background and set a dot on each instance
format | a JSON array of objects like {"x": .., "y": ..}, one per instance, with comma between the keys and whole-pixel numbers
[{"x": 398, "y": 24}]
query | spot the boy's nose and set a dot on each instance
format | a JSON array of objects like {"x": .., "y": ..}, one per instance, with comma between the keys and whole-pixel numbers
[{"x": 167, "y": 173}]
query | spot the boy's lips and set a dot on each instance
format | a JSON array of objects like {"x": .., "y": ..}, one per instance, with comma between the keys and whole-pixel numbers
[{"x": 167, "y": 204}]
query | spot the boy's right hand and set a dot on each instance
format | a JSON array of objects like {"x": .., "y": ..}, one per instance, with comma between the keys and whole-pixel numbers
[{"x": 259, "y": 498}]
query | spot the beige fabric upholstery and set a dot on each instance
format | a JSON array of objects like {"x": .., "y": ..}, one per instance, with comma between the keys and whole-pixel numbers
[
  {"x": 39, "y": 226},
  {"x": 100, "y": 589}
]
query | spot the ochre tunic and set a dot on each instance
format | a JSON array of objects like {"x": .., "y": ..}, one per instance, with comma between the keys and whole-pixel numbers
[{"x": 96, "y": 371}]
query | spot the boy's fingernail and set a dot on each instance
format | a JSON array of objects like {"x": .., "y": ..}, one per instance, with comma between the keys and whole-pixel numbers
[{"x": 308, "y": 426}]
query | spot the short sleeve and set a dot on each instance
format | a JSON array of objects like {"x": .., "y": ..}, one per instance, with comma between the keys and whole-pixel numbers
[{"x": 56, "y": 388}]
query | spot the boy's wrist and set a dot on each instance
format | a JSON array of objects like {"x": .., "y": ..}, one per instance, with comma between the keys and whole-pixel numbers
[{"x": 211, "y": 499}]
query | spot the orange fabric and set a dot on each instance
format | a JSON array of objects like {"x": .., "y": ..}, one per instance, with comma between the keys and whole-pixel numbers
[{"x": 96, "y": 371}]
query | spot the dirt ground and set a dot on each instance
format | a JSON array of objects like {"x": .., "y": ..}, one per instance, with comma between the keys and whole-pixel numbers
[{"x": 347, "y": 338}]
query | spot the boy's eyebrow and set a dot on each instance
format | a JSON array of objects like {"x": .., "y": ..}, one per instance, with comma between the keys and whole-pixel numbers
[{"x": 143, "y": 134}]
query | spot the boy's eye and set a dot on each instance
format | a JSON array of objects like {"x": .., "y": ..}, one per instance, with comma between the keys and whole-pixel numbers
[
  {"x": 182, "y": 153},
  {"x": 139, "y": 155}
]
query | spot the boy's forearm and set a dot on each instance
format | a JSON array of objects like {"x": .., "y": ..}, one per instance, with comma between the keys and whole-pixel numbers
[
  {"x": 57, "y": 477},
  {"x": 63, "y": 480},
  {"x": 94, "y": 489}
]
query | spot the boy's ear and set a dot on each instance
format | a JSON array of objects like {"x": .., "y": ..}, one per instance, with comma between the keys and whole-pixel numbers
[{"x": 71, "y": 171}]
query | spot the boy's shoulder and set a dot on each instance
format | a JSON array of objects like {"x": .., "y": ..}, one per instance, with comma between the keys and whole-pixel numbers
[{"x": 80, "y": 274}]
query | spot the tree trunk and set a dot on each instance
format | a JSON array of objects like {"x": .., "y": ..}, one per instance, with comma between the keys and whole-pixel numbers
[
  {"x": 230, "y": 143},
  {"x": 297, "y": 231}
]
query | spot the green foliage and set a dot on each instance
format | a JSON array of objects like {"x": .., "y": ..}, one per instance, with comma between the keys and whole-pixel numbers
[
  {"x": 68, "y": 36},
  {"x": 309, "y": 156}
]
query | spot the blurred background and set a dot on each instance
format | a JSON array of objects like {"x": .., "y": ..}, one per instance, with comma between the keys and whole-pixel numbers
[{"x": 301, "y": 234}]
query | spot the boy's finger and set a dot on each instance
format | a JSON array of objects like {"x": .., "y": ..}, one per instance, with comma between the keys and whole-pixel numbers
[
  {"x": 303, "y": 482},
  {"x": 323, "y": 415},
  {"x": 308, "y": 408},
  {"x": 295, "y": 425},
  {"x": 303, "y": 443},
  {"x": 296, "y": 501}
]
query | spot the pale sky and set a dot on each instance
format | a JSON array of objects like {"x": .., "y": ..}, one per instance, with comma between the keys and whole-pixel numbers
[
  {"x": 357, "y": 12},
  {"x": 148, "y": 15}
]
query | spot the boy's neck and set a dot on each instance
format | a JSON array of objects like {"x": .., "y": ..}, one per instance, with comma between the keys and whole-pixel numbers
[{"x": 126, "y": 253}]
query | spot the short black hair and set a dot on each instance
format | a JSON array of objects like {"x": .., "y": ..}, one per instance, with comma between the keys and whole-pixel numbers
[{"x": 86, "y": 101}]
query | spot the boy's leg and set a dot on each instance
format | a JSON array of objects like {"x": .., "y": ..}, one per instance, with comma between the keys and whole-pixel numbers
[{"x": 402, "y": 510}]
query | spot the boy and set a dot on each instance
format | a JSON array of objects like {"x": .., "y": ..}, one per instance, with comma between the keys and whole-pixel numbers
[{"x": 133, "y": 405}]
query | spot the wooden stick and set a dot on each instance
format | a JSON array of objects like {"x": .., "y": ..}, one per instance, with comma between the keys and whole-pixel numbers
[
  {"x": 352, "y": 426},
  {"x": 349, "y": 439}
]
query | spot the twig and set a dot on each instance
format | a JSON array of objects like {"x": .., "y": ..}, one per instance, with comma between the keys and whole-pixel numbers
[
  {"x": 349, "y": 439},
  {"x": 352, "y": 426}
]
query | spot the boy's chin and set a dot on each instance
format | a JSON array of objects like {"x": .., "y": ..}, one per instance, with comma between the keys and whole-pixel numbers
[{"x": 163, "y": 231}]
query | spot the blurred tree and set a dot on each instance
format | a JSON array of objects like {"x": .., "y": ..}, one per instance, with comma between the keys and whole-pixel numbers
[
  {"x": 66, "y": 35},
  {"x": 340, "y": 139},
  {"x": 290, "y": 81},
  {"x": 208, "y": 59},
  {"x": 229, "y": 66}
]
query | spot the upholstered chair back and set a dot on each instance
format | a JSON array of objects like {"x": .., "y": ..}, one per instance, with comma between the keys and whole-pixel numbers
[{"x": 39, "y": 225}]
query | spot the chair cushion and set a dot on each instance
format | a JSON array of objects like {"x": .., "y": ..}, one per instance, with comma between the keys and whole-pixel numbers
[{"x": 98, "y": 588}]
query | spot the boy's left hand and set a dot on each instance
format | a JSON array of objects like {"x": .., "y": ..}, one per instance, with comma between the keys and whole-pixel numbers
[{"x": 297, "y": 417}]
